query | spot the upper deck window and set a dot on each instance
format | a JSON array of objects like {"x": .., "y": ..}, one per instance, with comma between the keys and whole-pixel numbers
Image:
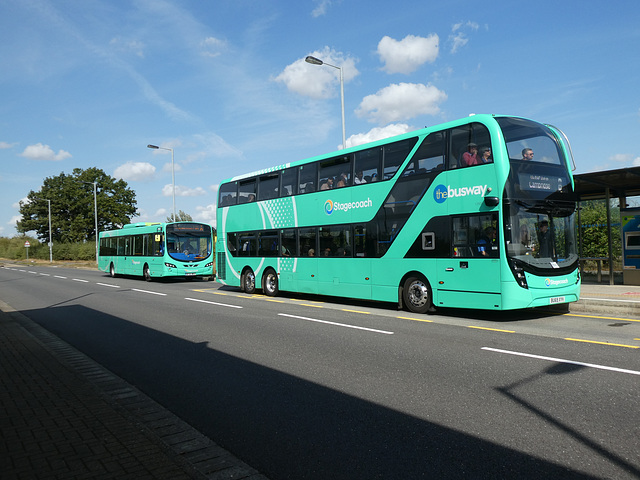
[{"x": 530, "y": 141}]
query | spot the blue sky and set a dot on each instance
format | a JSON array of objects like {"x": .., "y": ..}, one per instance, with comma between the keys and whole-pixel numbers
[{"x": 90, "y": 83}]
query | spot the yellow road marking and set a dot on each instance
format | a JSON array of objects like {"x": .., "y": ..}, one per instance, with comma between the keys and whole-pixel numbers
[
  {"x": 273, "y": 300},
  {"x": 355, "y": 311},
  {"x": 492, "y": 329},
  {"x": 416, "y": 319},
  {"x": 604, "y": 318},
  {"x": 601, "y": 343},
  {"x": 309, "y": 305}
]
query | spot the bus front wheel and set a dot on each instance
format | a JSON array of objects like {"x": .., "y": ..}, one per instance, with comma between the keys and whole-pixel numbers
[
  {"x": 416, "y": 294},
  {"x": 270, "y": 283},
  {"x": 249, "y": 281}
]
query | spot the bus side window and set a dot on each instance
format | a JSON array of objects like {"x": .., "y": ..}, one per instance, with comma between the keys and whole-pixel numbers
[
  {"x": 367, "y": 165},
  {"x": 228, "y": 194},
  {"x": 289, "y": 182},
  {"x": 308, "y": 177},
  {"x": 268, "y": 186},
  {"x": 461, "y": 141},
  {"x": 247, "y": 191},
  {"x": 395, "y": 154}
]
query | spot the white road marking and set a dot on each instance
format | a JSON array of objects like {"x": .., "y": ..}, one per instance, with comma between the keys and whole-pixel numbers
[
  {"x": 212, "y": 303},
  {"x": 560, "y": 360},
  {"x": 336, "y": 324},
  {"x": 147, "y": 291}
]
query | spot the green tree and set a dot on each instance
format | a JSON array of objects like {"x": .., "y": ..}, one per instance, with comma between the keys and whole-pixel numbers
[
  {"x": 72, "y": 206},
  {"x": 595, "y": 240},
  {"x": 180, "y": 217}
]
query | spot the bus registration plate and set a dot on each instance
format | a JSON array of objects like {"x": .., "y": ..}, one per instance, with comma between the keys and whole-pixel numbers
[
  {"x": 553, "y": 300},
  {"x": 190, "y": 274}
]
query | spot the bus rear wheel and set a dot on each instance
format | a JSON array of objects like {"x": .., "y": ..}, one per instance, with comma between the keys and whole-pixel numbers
[
  {"x": 146, "y": 273},
  {"x": 249, "y": 281},
  {"x": 416, "y": 294},
  {"x": 270, "y": 283}
]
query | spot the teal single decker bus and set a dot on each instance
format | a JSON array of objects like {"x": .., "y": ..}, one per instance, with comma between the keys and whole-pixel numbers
[
  {"x": 475, "y": 213},
  {"x": 154, "y": 250}
]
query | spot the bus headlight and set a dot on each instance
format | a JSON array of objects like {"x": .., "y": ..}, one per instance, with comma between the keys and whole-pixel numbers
[
  {"x": 518, "y": 273},
  {"x": 169, "y": 265},
  {"x": 210, "y": 264}
]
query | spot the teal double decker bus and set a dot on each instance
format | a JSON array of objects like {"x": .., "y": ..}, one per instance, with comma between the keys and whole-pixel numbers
[
  {"x": 475, "y": 213},
  {"x": 155, "y": 250}
]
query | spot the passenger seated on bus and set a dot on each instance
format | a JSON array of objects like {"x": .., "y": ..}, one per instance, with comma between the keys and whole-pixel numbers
[
  {"x": 470, "y": 157},
  {"x": 312, "y": 252},
  {"x": 342, "y": 180},
  {"x": 359, "y": 179},
  {"x": 327, "y": 185},
  {"x": 484, "y": 156}
]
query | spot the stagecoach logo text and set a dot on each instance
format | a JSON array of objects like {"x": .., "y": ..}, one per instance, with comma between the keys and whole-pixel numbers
[
  {"x": 441, "y": 193},
  {"x": 330, "y": 206},
  {"x": 552, "y": 283}
]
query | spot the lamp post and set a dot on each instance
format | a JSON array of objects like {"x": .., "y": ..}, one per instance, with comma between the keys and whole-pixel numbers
[
  {"x": 50, "y": 242},
  {"x": 317, "y": 61},
  {"x": 95, "y": 212},
  {"x": 173, "y": 177}
]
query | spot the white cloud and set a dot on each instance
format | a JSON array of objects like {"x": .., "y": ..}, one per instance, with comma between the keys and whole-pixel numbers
[
  {"x": 401, "y": 102},
  {"x": 212, "y": 47},
  {"x": 318, "y": 81},
  {"x": 14, "y": 220},
  {"x": 167, "y": 167},
  {"x": 123, "y": 45},
  {"x": 458, "y": 37},
  {"x": 215, "y": 146},
  {"x": 4, "y": 145},
  {"x": 408, "y": 54},
  {"x": 378, "y": 133},
  {"x": 625, "y": 158},
  {"x": 182, "y": 191},
  {"x": 44, "y": 152},
  {"x": 206, "y": 214},
  {"x": 321, "y": 8},
  {"x": 136, "y": 171}
]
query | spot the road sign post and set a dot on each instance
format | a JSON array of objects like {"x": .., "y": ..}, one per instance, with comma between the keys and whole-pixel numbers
[{"x": 27, "y": 245}]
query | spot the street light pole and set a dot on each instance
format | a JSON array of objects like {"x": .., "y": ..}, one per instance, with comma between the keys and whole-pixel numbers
[
  {"x": 173, "y": 177},
  {"x": 317, "y": 61},
  {"x": 95, "y": 212}
]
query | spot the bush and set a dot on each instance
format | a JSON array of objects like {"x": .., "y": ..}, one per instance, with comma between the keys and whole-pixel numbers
[{"x": 14, "y": 249}]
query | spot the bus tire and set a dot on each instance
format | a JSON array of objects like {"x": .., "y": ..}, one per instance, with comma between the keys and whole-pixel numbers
[
  {"x": 249, "y": 281},
  {"x": 112, "y": 271},
  {"x": 416, "y": 294},
  {"x": 270, "y": 283},
  {"x": 146, "y": 273}
]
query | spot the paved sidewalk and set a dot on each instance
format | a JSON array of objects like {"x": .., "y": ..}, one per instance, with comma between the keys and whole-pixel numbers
[
  {"x": 608, "y": 300},
  {"x": 62, "y": 416}
]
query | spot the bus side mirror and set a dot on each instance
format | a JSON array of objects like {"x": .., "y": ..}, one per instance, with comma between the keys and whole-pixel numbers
[{"x": 491, "y": 201}]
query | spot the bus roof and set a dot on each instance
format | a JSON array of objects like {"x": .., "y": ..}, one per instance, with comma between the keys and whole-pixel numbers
[{"x": 482, "y": 118}]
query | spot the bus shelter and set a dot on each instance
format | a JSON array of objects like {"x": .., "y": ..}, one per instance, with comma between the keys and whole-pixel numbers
[{"x": 605, "y": 185}]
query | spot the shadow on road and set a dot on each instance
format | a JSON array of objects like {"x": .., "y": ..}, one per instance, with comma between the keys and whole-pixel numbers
[{"x": 284, "y": 426}]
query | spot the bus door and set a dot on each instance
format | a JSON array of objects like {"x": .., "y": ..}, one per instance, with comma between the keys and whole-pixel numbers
[
  {"x": 342, "y": 268},
  {"x": 122, "y": 259},
  {"x": 471, "y": 275}
]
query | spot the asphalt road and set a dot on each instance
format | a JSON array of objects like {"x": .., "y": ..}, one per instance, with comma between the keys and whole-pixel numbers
[{"x": 319, "y": 388}]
